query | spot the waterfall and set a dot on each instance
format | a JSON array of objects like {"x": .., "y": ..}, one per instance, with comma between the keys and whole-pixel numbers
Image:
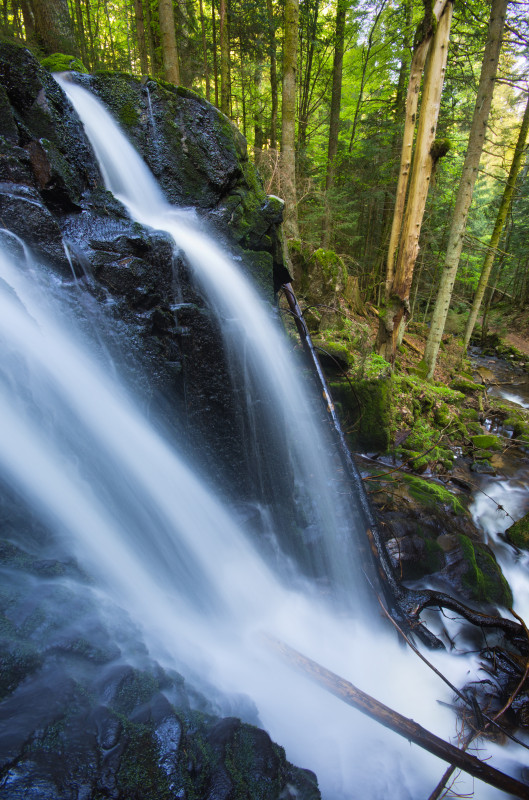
[{"x": 163, "y": 546}]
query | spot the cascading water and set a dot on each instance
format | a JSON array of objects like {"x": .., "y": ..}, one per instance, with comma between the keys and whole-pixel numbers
[
  {"x": 248, "y": 330},
  {"x": 167, "y": 550}
]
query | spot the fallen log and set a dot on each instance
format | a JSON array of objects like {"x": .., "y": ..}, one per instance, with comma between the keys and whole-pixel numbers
[{"x": 396, "y": 722}]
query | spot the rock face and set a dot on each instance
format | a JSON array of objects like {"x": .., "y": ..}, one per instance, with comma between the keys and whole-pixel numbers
[{"x": 84, "y": 712}]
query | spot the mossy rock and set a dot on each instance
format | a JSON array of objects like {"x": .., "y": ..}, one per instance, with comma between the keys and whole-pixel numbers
[
  {"x": 59, "y": 62},
  {"x": 486, "y": 441},
  {"x": 466, "y": 386},
  {"x": 518, "y": 534},
  {"x": 483, "y": 577},
  {"x": 432, "y": 495},
  {"x": 366, "y": 408}
]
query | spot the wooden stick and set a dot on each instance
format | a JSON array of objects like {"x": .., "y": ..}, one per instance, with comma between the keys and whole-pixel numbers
[{"x": 411, "y": 730}]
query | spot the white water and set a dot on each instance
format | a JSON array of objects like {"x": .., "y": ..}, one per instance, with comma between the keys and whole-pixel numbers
[
  {"x": 250, "y": 330},
  {"x": 169, "y": 552}
]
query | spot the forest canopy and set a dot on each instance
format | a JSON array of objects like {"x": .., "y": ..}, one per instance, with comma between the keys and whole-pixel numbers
[{"x": 320, "y": 91}]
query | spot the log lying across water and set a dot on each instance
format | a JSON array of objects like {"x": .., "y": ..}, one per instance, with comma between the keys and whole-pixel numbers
[{"x": 396, "y": 722}]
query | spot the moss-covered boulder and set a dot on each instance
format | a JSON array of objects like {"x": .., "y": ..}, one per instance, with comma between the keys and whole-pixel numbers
[
  {"x": 59, "y": 62},
  {"x": 365, "y": 408},
  {"x": 482, "y": 576},
  {"x": 486, "y": 441},
  {"x": 461, "y": 384},
  {"x": 518, "y": 533}
]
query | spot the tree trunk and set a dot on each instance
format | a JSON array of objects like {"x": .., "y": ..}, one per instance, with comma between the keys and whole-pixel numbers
[
  {"x": 140, "y": 36},
  {"x": 204, "y": 48},
  {"x": 273, "y": 73},
  {"x": 224, "y": 60},
  {"x": 215, "y": 64},
  {"x": 468, "y": 178},
  {"x": 423, "y": 162},
  {"x": 171, "y": 69},
  {"x": 334, "y": 122},
  {"x": 306, "y": 76},
  {"x": 420, "y": 52},
  {"x": 498, "y": 227},
  {"x": 288, "y": 129},
  {"x": 53, "y": 27}
]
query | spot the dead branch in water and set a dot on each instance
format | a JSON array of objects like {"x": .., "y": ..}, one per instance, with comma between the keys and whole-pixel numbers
[{"x": 396, "y": 722}]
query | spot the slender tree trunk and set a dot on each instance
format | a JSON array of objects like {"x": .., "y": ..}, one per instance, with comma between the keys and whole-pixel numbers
[
  {"x": 140, "y": 36},
  {"x": 334, "y": 122},
  {"x": 423, "y": 162},
  {"x": 243, "y": 86},
  {"x": 288, "y": 130},
  {"x": 305, "y": 78},
  {"x": 468, "y": 178},
  {"x": 204, "y": 49},
  {"x": 259, "y": 138},
  {"x": 224, "y": 60},
  {"x": 81, "y": 37},
  {"x": 171, "y": 67},
  {"x": 422, "y": 47},
  {"x": 215, "y": 59},
  {"x": 273, "y": 73},
  {"x": 29, "y": 21},
  {"x": 366, "y": 55},
  {"x": 498, "y": 227},
  {"x": 110, "y": 37},
  {"x": 53, "y": 27}
]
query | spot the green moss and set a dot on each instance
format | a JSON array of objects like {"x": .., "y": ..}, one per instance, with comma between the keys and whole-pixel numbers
[
  {"x": 487, "y": 441},
  {"x": 240, "y": 760},
  {"x": 140, "y": 775},
  {"x": 518, "y": 533},
  {"x": 466, "y": 386},
  {"x": 58, "y": 62},
  {"x": 432, "y": 494},
  {"x": 423, "y": 447},
  {"x": 331, "y": 265},
  {"x": 483, "y": 576},
  {"x": 137, "y": 688},
  {"x": 366, "y": 411},
  {"x": 375, "y": 367},
  {"x": 129, "y": 115}
]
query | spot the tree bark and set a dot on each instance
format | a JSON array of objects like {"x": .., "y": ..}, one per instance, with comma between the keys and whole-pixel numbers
[
  {"x": 140, "y": 36},
  {"x": 503, "y": 210},
  {"x": 288, "y": 130},
  {"x": 215, "y": 64},
  {"x": 273, "y": 73},
  {"x": 224, "y": 60},
  {"x": 468, "y": 178},
  {"x": 53, "y": 27},
  {"x": 334, "y": 122},
  {"x": 171, "y": 68},
  {"x": 204, "y": 49},
  {"x": 420, "y": 53},
  {"x": 423, "y": 161}
]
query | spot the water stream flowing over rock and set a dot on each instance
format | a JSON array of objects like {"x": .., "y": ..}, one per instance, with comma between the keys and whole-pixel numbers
[{"x": 168, "y": 488}]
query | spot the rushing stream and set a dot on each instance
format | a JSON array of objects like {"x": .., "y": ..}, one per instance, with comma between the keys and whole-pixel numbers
[{"x": 166, "y": 548}]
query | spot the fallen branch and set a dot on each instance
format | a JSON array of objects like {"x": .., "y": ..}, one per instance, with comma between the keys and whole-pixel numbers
[
  {"x": 490, "y": 721},
  {"x": 396, "y": 722}
]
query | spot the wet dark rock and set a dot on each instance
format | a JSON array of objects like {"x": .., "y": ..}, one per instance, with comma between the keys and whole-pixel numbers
[{"x": 84, "y": 712}]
